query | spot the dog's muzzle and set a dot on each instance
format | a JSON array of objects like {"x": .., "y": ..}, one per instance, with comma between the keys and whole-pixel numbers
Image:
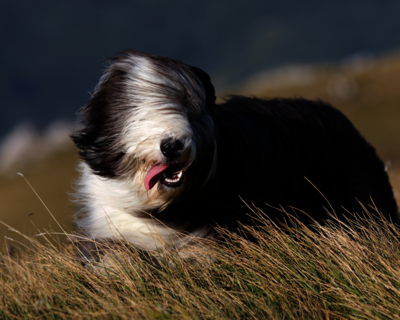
[{"x": 170, "y": 175}]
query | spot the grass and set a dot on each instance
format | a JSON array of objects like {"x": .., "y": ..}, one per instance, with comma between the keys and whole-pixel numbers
[{"x": 333, "y": 272}]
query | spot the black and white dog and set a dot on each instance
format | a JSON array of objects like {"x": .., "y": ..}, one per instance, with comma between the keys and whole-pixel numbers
[{"x": 161, "y": 158}]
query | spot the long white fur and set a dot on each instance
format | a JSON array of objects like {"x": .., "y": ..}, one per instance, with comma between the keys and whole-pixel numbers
[{"x": 111, "y": 206}]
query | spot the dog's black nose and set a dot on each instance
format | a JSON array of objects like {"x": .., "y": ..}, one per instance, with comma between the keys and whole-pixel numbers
[{"x": 170, "y": 147}]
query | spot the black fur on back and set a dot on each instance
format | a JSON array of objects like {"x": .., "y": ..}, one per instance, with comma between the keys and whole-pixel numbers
[{"x": 278, "y": 152}]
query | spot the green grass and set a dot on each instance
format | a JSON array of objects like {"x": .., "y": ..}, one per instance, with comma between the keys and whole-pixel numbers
[{"x": 335, "y": 272}]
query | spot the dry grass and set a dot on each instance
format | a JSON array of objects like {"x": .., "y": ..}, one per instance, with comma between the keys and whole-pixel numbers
[{"x": 333, "y": 272}]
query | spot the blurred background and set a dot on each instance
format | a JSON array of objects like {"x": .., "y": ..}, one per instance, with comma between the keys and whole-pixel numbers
[{"x": 52, "y": 54}]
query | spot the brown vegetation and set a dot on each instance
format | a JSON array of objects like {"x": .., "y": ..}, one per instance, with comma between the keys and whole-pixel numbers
[{"x": 332, "y": 272}]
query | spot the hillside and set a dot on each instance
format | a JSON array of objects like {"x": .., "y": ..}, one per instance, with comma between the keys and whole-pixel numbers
[{"x": 365, "y": 89}]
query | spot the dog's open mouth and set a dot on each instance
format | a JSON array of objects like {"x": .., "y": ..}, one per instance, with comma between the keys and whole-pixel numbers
[{"x": 169, "y": 175}]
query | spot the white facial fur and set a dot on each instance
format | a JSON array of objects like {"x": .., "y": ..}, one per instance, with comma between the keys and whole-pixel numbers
[{"x": 111, "y": 208}]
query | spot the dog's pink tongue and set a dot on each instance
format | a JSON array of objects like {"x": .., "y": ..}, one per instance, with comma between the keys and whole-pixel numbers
[{"x": 154, "y": 175}]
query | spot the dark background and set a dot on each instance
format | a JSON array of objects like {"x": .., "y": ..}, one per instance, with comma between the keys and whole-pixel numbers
[{"x": 52, "y": 51}]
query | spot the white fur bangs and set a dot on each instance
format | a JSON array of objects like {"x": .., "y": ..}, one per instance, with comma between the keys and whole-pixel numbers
[{"x": 144, "y": 106}]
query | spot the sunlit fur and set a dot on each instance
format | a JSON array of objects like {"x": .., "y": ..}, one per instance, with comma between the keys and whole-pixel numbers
[
  {"x": 280, "y": 152},
  {"x": 136, "y": 104}
]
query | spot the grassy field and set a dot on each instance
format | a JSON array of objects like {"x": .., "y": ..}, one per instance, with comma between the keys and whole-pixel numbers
[
  {"x": 331, "y": 273},
  {"x": 328, "y": 274},
  {"x": 52, "y": 178}
]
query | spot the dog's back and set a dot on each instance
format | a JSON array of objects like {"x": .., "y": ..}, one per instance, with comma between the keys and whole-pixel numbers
[{"x": 293, "y": 153}]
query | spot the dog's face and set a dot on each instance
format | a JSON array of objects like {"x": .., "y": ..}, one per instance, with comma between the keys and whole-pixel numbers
[{"x": 149, "y": 125}]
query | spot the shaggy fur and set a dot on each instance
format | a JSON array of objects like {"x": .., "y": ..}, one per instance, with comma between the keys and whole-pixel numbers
[{"x": 151, "y": 114}]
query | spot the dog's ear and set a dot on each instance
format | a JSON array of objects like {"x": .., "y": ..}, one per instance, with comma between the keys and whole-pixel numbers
[{"x": 208, "y": 86}]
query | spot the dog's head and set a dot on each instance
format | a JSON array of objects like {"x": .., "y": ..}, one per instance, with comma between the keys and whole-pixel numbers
[{"x": 148, "y": 123}]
